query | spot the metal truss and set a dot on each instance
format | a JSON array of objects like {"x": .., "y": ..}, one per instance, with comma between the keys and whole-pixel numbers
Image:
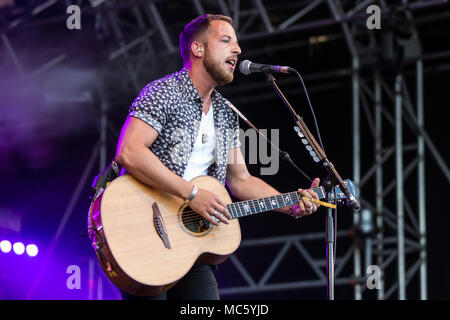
[
  {"x": 140, "y": 36},
  {"x": 414, "y": 243},
  {"x": 410, "y": 235},
  {"x": 252, "y": 285}
]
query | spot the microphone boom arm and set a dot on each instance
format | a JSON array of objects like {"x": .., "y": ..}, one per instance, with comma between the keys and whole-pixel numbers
[{"x": 314, "y": 145}]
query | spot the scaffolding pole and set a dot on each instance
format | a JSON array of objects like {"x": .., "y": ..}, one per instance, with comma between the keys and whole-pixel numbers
[
  {"x": 421, "y": 183},
  {"x": 379, "y": 178}
]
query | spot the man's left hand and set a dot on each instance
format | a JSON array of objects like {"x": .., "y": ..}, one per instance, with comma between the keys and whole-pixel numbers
[{"x": 306, "y": 207}]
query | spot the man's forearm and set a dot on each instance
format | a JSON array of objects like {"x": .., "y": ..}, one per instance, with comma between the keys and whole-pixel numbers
[
  {"x": 145, "y": 166},
  {"x": 253, "y": 188}
]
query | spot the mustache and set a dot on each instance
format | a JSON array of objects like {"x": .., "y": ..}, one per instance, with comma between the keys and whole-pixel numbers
[{"x": 232, "y": 57}]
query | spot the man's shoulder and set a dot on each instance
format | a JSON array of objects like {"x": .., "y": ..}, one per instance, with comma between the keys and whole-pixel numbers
[
  {"x": 167, "y": 87},
  {"x": 168, "y": 84},
  {"x": 160, "y": 92}
]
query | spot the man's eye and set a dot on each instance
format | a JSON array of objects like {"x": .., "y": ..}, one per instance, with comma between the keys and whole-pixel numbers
[{"x": 225, "y": 41}]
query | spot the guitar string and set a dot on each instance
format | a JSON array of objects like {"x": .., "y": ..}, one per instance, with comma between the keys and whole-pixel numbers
[
  {"x": 195, "y": 213},
  {"x": 236, "y": 208},
  {"x": 191, "y": 215},
  {"x": 235, "y": 203},
  {"x": 191, "y": 219},
  {"x": 265, "y": 199}
]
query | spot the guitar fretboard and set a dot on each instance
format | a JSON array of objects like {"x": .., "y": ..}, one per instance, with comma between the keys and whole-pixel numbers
[{"x": 248, "y": 207}]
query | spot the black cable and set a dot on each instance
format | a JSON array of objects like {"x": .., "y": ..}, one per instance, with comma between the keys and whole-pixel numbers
[
  {"x": 286, "y": 157},
  {"x": 312, "y": 110}
]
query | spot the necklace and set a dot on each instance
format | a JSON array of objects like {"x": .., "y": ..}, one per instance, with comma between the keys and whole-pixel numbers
[{"x": 205, "y": 138}]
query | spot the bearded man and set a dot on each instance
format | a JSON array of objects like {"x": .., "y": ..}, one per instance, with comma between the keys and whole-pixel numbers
[{"x": 179, "y": 128}]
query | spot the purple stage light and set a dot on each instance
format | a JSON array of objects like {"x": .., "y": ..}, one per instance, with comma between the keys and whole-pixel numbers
[
  {"x": 32, "y": 250},
  {"x": 18, "y": 248},
  {"x": 5, "y": 246}
]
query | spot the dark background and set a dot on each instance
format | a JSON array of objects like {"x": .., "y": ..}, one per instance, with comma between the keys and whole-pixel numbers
[{"x": 50, "y": 134}]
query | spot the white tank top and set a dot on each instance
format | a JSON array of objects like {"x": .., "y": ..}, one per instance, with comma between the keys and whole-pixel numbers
[{"x": 203, "y": 154}]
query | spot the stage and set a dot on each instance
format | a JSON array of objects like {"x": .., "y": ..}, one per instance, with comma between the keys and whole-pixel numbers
[{"x": 376, "y": 76}]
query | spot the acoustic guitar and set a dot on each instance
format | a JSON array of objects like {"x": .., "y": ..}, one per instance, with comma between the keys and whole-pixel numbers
[{"x": 147, "y": 239}]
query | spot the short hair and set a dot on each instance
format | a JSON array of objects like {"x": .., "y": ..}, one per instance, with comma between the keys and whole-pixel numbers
[{"x": 196, "y": 28}]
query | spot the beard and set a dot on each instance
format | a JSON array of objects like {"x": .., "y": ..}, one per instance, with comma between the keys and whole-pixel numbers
[{"x": 216, "y": 71}]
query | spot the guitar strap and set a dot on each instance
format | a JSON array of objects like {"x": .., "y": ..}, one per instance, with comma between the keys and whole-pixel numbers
[
  {"x": 100, "y": 182},
  {"x": 109, "y": 173}
]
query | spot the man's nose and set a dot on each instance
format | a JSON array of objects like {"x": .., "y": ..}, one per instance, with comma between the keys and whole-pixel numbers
[{"x": 237, "y": 49}]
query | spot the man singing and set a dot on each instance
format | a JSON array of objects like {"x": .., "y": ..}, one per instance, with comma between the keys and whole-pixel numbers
[{"x": 172, "y": 132}]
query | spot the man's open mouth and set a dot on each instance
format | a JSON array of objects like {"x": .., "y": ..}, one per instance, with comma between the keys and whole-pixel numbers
[{"x": 231, "y": 62}]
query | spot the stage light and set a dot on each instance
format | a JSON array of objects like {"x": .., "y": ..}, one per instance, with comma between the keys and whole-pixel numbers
[
  {"x": 5, "y": 246},
  {"x": 32, "y": 250},
  {"x": 18, "y": 248}
]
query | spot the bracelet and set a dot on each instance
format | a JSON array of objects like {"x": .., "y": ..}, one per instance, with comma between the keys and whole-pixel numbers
[{"x": 193, "y": 193}]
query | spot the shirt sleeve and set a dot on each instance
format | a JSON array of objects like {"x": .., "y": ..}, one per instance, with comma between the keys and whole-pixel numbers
[{"x": 150, "y": 107}]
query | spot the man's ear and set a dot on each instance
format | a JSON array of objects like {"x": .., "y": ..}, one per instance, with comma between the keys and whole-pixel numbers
[{"x": 196, "y": 49}]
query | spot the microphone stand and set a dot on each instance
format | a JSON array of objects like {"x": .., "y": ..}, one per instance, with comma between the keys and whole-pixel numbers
[
  {"x": 333, "y": 178},
  {"x": 330, "y": 231}
]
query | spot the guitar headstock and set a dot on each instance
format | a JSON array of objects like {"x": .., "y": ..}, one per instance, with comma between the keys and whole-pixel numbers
[{"x": 339, "y": 194}]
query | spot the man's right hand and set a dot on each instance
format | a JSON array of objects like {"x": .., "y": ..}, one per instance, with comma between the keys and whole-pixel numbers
[{"x": 208, "y": 205}]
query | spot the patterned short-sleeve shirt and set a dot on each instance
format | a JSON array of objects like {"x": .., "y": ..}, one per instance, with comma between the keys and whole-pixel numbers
[{"x": 173, "y": 107}]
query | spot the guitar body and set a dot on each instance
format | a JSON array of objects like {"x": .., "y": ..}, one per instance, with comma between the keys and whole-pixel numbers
[{"x": 131, "y": 246}]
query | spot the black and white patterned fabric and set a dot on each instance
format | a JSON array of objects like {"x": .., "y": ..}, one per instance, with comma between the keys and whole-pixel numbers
[{"x": 173, "y": 107}]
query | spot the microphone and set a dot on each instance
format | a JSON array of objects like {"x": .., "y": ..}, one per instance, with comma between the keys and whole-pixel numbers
[
  {"x": 247, "y": 67},
  {"x": 353, "y": 202}
]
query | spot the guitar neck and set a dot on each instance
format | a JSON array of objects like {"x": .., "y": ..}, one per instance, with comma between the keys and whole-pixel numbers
[{"x": 249, "y": 207}]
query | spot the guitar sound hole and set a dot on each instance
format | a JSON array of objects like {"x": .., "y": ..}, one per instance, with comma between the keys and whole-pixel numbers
[{"x": 194, "y": 222}]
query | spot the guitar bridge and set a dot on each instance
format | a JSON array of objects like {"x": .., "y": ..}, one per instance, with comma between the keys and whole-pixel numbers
[{"x": 159, "y": 225}]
